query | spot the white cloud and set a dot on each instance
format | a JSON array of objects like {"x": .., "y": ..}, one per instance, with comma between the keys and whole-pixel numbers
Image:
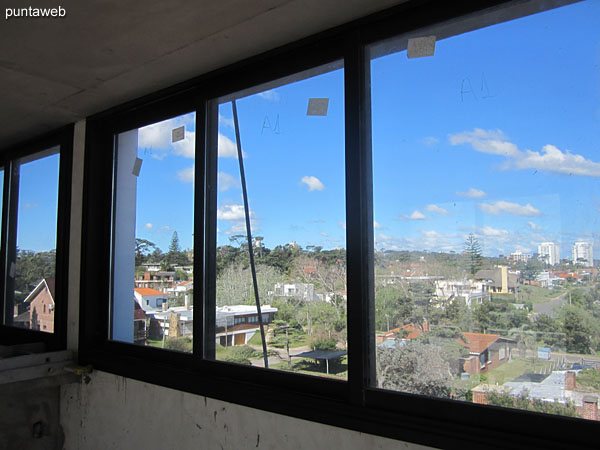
[
  {"x": 232, "y": 212},
  {"x": 225, "y": 121},
  {"x": 472, "y": 193},
  {"x": 269, "y": 95},
  {"x": 165, "y": 228},
  {"x": 437, "y": 209},
  {"x": 186, "y": 175},
  {"x": 489, "y": 231},
  {"x": 416, "y": 215},
  {"x": 157, "y": 138},
  {"x": 502, "y": 206},
  {"x": 226, "y": 181},
  {"x": 549, "y": 159},
  {"x": 313, "y": 183},
  {"x": 30, "y": 205},
  {"x": 376, "y": 225},
  {"x": 342, "y": 225},
  {"x": 227, "y": 148},
  {"x": 485, "y": 141},
  {"x": 430, "y": 141},
  {"x": 534, "y": 226},
  {"x": 552, "y": 159},
  {"x": 148, "y": 226},
  {"x": 323, "y": 234}
]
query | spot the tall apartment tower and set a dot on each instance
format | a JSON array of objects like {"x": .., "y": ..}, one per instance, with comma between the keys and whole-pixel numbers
[
  {"x": 583, "y": 252},
  {"x": 549, "y": 253}
]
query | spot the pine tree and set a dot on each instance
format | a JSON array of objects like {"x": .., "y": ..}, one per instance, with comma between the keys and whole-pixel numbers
[
  {"x": 174, "y": 245},
  {"x": 473, "y": 254}
]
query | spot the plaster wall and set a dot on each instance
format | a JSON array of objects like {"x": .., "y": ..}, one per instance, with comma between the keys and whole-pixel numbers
[{"x": 113, "y": 412}]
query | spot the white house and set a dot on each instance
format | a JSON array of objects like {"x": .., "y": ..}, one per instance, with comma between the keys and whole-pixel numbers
[
  {"x": 236, "y": 324},
  {"x": 149, "y": 299}
]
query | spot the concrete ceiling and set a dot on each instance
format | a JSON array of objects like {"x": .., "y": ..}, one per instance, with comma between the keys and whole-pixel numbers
[{"x": 54, "y": 71}]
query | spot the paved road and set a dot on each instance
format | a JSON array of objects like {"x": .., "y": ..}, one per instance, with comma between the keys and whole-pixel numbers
[{"x": 550, "y": 308}]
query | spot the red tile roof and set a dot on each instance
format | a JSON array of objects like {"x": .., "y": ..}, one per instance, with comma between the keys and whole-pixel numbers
[
  {"x": 478, "y": 342},
  {"x": 414, "y": 331},
  {"x": 148, "y": 291}
]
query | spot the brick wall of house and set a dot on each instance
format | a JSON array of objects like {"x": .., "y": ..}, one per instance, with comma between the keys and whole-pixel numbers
[
  {"x": 41, "y": 312},
  {"x": 480, "y": 397}
]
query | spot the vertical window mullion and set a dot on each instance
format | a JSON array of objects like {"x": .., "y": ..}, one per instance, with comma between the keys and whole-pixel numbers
[
  {"x": 359, "y": 216},
  {"x": 210, "y": 228},
  {"x": 200, "y": 236},
  {"x": 12, "y": 197},
  {"x": 4, "y": 237}
]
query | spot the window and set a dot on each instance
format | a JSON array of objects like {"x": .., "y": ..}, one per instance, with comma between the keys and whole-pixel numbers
[
  {"x": 345, "y": 137},
  {"x": 152, "y": 229},
  {"x": 290, "y": 179},
  {"x": 472, "y": 200},
  {"x": 35, "y": 239}
]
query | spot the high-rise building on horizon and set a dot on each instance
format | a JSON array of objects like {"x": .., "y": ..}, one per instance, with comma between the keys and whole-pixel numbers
[
  {"x": 583, "y": 252},
  {"x": 549, "y": 253}
]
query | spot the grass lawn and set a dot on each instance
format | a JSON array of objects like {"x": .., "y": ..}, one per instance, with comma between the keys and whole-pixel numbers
[
  {"x": 154, "y": 342},
  {"x": 511, "y": 370},
  {"x": 307, "y": 366},
  {"x": 299, "y": 341},
  {"x": 536, "y": 294}
]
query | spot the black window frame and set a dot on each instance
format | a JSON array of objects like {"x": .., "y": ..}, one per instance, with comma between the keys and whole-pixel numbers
[
  {"x": 63, "y": 139},
  {"x": 353, "y": 404}
]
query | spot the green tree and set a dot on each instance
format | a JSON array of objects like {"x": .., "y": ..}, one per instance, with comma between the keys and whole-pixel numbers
[
  {"x": 415, "y": 368},
  {"x": 393, "y": 308},
  {"x": 175, "y": 256},
  {"x": 143, "y": 250},
  {"x": 532, "y": 269},
  {"x": 578, "y": 328},
  {"x": 174, "y": 245},
  {"x": 472, "y": 253}
]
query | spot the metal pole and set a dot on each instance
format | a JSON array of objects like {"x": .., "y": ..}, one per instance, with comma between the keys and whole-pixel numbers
[{"x": 249, "y": 231}]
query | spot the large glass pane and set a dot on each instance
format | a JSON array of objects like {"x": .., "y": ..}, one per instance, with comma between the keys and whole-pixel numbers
[
  {"x": 153, "y": 219},
  {"x": 31, "y": 273},
  {"x": 292, "y": 146},
  {"x": 486, "y": 192}
]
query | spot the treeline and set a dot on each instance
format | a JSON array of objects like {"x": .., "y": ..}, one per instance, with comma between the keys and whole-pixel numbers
[
  {"x": 31, "y": 268},
  {"x": 575, "y": 328}
]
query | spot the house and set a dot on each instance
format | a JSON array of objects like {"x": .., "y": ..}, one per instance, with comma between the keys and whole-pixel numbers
[
  {"x": 181, "y": 287},
  {"x": 236, "y": 324},
  {"x": 150, "y": 299},
  {"x": 412, "y": 330},
  {"x": 304, "y": 291},
  {"x": 468, "y": 291},
  {"x": 498, "y": 280},
  {"x": 486, "y": 351},
  {"x": 140, "y": 324},
  {"x": 41, "y": 306},
  {"x": 558, "y": 386},
  {"x": 175, "y": 322},
  {"x": 161, "y": 280}
]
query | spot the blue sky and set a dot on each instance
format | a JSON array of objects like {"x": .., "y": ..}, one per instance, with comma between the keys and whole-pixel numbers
[
  {"x": 38, "y": 207},
  {"x": 496, "y": 134}
]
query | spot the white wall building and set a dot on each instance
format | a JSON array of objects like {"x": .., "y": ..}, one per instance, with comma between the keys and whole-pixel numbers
[
  {"x": 150, "y": 300},
  {"x": 549, "y": 253},
  {"x": 517, "y": 257},
  {"x": 583, "y": 252}
]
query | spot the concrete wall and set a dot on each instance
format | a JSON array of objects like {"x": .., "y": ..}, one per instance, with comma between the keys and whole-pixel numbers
[{"x": 112, "y": 412}]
